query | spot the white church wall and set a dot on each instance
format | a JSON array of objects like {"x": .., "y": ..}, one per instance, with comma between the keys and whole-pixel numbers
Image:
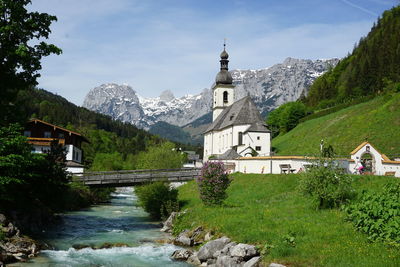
[{"x": 261, "y": 140}]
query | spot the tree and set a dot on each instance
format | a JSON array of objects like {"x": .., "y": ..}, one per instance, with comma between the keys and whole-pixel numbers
[
  {"x": 26, "y": 178},
  {"x": 285, "y": 117},
  {"x": 21, "y": 51},
  {"x": 163, "y": 156}
]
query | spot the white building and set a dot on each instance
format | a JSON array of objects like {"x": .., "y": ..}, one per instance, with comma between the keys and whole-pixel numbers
[{"x": 237, "y": 129}]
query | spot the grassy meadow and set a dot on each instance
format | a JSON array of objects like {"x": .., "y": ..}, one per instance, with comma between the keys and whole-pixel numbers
[
  {"x": 378, "y": 120},
  {"x": 268, "y": 210}
]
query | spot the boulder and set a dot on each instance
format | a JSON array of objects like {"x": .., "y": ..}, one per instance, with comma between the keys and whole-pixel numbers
[
  {"x": 3, "y": 219},
  {"x": 244, "y": 251},
  {"x": 181, "y": 254},
  {"x": 225, "y": 251},
  {"x": 194, "y": 260},
  {"x": 168, "y": 224},
  {"x": 10, "y": 230},
  {"x": 208, "y": 236},
  {"x": 276, "y": 265},
  {"x": 253, "y": 262},
  {"x": 20, "y": 256},
  {"x": 211, "y": 262},
  {"x": 183, "y": 239},
  {"x": 197, "y": 235},
  {"x": 227, "y": 261},
  {"x": 207, "y": 251}
]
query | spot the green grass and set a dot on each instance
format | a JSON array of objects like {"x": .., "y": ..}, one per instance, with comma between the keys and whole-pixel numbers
[
  {"x": 378, "y": 120},
  {"x": 264, "y": 209}
]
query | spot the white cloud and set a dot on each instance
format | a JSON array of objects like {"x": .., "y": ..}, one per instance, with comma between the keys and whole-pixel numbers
[{"x": 172, "y": 47}]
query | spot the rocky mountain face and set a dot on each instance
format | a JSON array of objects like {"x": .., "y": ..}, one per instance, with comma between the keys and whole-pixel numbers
[
  {"x": 281, "y": 83},
  {"x": 269, "y": 88}
]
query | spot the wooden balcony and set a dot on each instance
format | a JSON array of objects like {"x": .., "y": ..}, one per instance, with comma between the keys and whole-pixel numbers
[{"x": 44, "y": 141}]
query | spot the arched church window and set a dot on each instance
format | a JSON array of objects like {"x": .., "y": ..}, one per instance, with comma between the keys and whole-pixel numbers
[{"x": 225, "y": 96}]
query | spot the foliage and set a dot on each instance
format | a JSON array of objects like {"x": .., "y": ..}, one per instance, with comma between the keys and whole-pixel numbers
[
  {"x": 378, "y": 215},
  {"x": 373, "y": 62},
  {"x": 326, "y": 183},
  {"x": 285, "y": 117},
  {"x": 263, "y": 209},
  {"x": 78, "y": 196},
  {"x": 107, "y": 162},
  {"x": 158, "y": 199},
  {"x": 27, "y": 178},
  {"x": 212, "y": 183},
  {"x": 21, "y": 33},
  {"x": 163, "y": 156},
  {"x": 377, "y": 120}
]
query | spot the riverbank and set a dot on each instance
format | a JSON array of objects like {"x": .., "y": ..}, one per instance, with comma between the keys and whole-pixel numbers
[
  {"x": 118, "y": 233},
  {"x": 19, "y": 229},
  {"x": 267, "y": 211}
]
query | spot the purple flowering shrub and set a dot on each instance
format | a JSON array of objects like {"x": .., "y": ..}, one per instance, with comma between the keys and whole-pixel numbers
[{"x": 213, "y": 182}]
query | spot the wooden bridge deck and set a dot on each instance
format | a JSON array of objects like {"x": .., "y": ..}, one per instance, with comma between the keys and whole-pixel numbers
[{"x": 136, "y": 177}]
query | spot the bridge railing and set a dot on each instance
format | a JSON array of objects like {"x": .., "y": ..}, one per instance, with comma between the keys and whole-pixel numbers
[
  {"x": 132, "y": 177},
  {"x": 136, "y": 171}
]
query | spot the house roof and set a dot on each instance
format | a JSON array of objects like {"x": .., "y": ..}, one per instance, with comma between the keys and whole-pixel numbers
[
  {"x": 34, "y": 120},
  {"x": 70, "y": 163},
  {"x": 243, "y": 111},
  {"x": 384, "y": 157},
  {"x": 359, "y": 147}
]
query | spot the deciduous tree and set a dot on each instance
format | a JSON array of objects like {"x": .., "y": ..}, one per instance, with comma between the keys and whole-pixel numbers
[{"x": 21, "y": 50}]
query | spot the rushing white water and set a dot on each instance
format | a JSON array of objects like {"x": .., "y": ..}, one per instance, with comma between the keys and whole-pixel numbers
[{"x": 118, "y": 222}]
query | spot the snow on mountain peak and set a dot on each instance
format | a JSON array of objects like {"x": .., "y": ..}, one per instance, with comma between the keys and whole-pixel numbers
[{"x": 269, "y": 88}]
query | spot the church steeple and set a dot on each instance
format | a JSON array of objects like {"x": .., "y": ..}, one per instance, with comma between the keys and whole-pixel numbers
[
  {"x": 224, "y": 77},
  {"x": 223, "y": 91}
]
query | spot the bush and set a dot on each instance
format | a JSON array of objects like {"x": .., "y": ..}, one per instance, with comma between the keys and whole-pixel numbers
[
  {"x": 328, "y": 184},
  {"x": 378, "y": 215},
  {"x": 212, "y": 183},
  {"x": 158, "y": 199}
]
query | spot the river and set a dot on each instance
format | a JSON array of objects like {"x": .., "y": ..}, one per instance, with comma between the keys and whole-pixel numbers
[{"x": 120, "y": 221}]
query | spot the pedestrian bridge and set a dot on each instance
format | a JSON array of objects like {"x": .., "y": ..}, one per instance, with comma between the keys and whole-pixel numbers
[{"x": 136, "y": 177}]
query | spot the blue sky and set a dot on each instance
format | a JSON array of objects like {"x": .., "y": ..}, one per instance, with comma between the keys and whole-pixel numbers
[{"x": 175, "y": 44}]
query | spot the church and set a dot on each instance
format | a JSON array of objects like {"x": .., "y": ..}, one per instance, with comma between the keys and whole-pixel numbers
[{"x": 237, "y": 130}]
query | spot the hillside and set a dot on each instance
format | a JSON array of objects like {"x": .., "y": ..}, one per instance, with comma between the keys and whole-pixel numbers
[
  {"x": 171, "y": 132},
  {"x": 377, "y": 119},
  {"x": 372, "y": 66},
  {"x": 268, "y": 210}
]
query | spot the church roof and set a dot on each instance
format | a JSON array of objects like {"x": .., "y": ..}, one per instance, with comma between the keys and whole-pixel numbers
[
  {"x": 229, "y": 154},
  {"x": 223, "y": 77},
  {"x": 260, "y": 127},
  {"x": 243, "y": 111}
]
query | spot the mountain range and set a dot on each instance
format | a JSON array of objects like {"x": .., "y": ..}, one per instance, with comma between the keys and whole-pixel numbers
[{"x": 269, "y": 88}]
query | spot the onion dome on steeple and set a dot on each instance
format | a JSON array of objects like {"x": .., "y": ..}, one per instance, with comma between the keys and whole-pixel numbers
[{"x": 224, "y": 76}]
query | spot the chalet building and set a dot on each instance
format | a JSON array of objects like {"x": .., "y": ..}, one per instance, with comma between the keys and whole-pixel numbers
[
  {"x": 40, "y": 134},
  {"x": 238, "y": 129}
]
